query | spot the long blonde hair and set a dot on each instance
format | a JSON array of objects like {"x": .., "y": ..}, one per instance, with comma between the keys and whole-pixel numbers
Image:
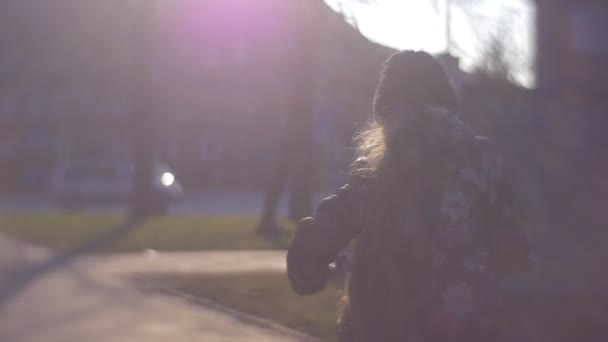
[
  {"x": 375, "y": 292},
  {"x": 370, "y": 150},
  {"x": 376, "y": 303}
]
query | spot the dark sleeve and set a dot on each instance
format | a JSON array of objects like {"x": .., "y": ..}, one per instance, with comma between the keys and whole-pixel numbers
[
  {"x": 318, "y": 241},
  {"x": 507, "y": 238},
  {"x": 508, "y": 241}
]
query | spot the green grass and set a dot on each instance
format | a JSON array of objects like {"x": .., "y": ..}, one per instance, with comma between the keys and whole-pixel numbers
[
  {"x": 266, "y": 295},
  {"x": 546, "y": 317},
  {"x": 64, "y": 232}
]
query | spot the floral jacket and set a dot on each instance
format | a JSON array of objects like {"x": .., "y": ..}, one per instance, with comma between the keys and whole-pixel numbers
[{"x": 464, "y": 234}]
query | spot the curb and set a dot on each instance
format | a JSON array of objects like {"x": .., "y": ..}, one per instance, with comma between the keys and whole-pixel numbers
[{"x": 242, "y": 316}]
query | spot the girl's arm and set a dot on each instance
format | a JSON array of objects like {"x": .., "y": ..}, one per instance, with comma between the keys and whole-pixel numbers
[{"x": 319, "y": 240}]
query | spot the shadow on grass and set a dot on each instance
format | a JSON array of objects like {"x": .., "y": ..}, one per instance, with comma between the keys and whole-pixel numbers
[
  {"x": 263, "y": 295},
  {"x": 22, "y": 280}
]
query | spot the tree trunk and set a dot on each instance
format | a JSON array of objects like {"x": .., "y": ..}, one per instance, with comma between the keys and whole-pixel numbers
[
  {"x": 268, "y": 223},
  {"x": 302, "y": 166},
  {"x": 144, "y": 203},
  {"x": 296, "y": 162},
  {"x": 143, "y": 117}
]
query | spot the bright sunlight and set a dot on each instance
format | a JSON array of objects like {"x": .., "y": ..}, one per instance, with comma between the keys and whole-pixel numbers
[{"x": 420, "y": 25}]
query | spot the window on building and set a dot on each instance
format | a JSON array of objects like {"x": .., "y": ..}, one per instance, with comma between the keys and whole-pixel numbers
[
  {"x": 169, "y": 147},
  {"x": 36, "y": 103},
  {"x": 7, "y": 107},
  {"x": 589, "y": 29},
  {"x": 7, "y": 65},
  {"x": 8, "y": 147},
  {"x": 210, "y": 149},
  {"x": 38, "y": 139},
  {"x": 118, "y": 106}
]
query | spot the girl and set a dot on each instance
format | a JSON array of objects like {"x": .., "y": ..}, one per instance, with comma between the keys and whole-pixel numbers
[{"x": 431, "y": 216}]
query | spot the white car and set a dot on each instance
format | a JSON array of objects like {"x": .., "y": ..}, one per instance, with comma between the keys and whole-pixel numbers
[{"x": 77, "y": 183}]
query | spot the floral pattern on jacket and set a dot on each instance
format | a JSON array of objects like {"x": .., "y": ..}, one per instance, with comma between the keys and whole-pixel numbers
[
  {"x": 472, "y": 207},
  {"x": 470, "y": 233}
]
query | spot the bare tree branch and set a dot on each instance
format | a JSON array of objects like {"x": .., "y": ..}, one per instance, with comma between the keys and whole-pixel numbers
[{"x": 499, "y": 59}]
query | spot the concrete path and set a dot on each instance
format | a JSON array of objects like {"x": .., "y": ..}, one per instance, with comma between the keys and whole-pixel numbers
[
  {"x": 15, "y": 255},
  {"x": 186, "y": 262},
  {"x": 91, "y": 300}
]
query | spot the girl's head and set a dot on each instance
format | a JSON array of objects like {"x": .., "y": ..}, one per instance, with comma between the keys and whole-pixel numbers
[{"x": 410, "y": 81}]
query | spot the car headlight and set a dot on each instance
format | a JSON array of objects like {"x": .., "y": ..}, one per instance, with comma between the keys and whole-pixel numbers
[{"x": 167, "y": 179}]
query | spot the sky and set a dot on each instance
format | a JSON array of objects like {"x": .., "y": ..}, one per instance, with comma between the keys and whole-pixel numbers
[{"x": 418, "y": 25}]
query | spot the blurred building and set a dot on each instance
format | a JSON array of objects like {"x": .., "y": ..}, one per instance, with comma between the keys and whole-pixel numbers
[
  {"x": 572, "y": 74},
  {"x": 572, "y": 64},
  {"x": 219, "y": 73},
  {"x": 572, "y": 47},
  {"x": 572, "y": 78}
]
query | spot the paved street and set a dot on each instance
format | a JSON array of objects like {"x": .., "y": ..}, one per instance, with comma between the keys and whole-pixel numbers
[
  {"x": 92, "y": 300},
  {"x": 203, "y": 203}
]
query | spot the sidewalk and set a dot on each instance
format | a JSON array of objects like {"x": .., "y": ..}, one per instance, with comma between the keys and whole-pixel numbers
[
  {"x": 15, "y": 255},
  {"x": 92, "y": 301},
  {"x": 185, "y": 262}
]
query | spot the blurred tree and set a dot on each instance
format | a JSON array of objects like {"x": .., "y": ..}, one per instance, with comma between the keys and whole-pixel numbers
[
  {"x": 268, "y": 225},
  {"x": 301, "y": 125},
  {"x": 143, "y": 115},
  {"x": 446, "y": 7},
  {"x": 497, "y": 60},
  {"x": 295, "y": 165}
]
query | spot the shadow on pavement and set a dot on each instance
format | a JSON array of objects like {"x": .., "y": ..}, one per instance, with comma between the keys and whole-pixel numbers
[{"x": 21, "y": 280}]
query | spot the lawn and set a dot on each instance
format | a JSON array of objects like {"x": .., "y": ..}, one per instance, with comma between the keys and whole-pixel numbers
[
  {"x": 266, "y": 295},
  {"x": 63, "y": 232},
  {"x": 540, "y": 317}
]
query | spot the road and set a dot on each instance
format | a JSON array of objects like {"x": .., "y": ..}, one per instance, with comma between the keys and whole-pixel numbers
[
  {"x": 204, "y": 203},
  {"x": 93, "y": 300}
]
